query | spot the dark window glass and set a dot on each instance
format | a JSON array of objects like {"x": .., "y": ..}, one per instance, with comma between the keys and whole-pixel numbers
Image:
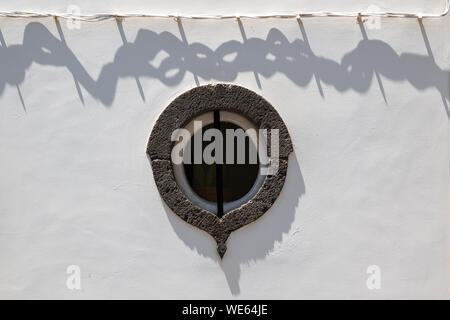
[{"x": 236, "y": 180}]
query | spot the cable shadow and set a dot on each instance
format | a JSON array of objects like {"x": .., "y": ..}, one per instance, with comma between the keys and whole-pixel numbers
[
  {"x": 431, "y": 56},
  {"x": 63, "y": 40},
  {"x": 377, "y": 75},
  {"x": 253, "y": 242},
  {"x": 263, "y": 57},
  {"x": 244, "y": 39},
  {"x": 16, "y": 80}
]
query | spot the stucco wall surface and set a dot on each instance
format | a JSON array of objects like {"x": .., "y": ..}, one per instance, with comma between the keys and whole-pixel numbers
[{"x": 367, "y": 184}]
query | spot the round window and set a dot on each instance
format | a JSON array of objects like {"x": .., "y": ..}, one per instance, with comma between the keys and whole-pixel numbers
[{"x": 205, "y": 151}]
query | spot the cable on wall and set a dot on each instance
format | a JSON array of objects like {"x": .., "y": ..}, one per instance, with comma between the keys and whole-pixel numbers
[{"x": 108, "y": 16}]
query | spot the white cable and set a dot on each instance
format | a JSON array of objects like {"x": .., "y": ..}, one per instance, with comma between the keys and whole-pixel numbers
[{"x": 107, "y": 16}]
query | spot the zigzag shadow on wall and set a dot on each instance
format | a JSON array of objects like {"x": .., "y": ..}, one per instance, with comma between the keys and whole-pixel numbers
[{"x": 265, "y": 57}]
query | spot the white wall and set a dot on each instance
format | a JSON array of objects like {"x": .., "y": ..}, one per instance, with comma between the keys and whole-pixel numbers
[{"x": 367, "y": 183}]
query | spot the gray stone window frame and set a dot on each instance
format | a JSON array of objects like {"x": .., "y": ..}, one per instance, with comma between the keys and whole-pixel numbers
[{"x": 177, "y": 114}]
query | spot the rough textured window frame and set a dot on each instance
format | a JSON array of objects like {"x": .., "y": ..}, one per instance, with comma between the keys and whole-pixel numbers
[{"x": 180, "y": 111}]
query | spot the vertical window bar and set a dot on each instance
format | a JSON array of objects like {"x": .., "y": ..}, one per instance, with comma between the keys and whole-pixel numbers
[{"x": 219, "y": 177}]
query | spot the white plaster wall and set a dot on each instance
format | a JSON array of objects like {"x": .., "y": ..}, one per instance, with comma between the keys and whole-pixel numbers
[{"x": 368, "y": 183}]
